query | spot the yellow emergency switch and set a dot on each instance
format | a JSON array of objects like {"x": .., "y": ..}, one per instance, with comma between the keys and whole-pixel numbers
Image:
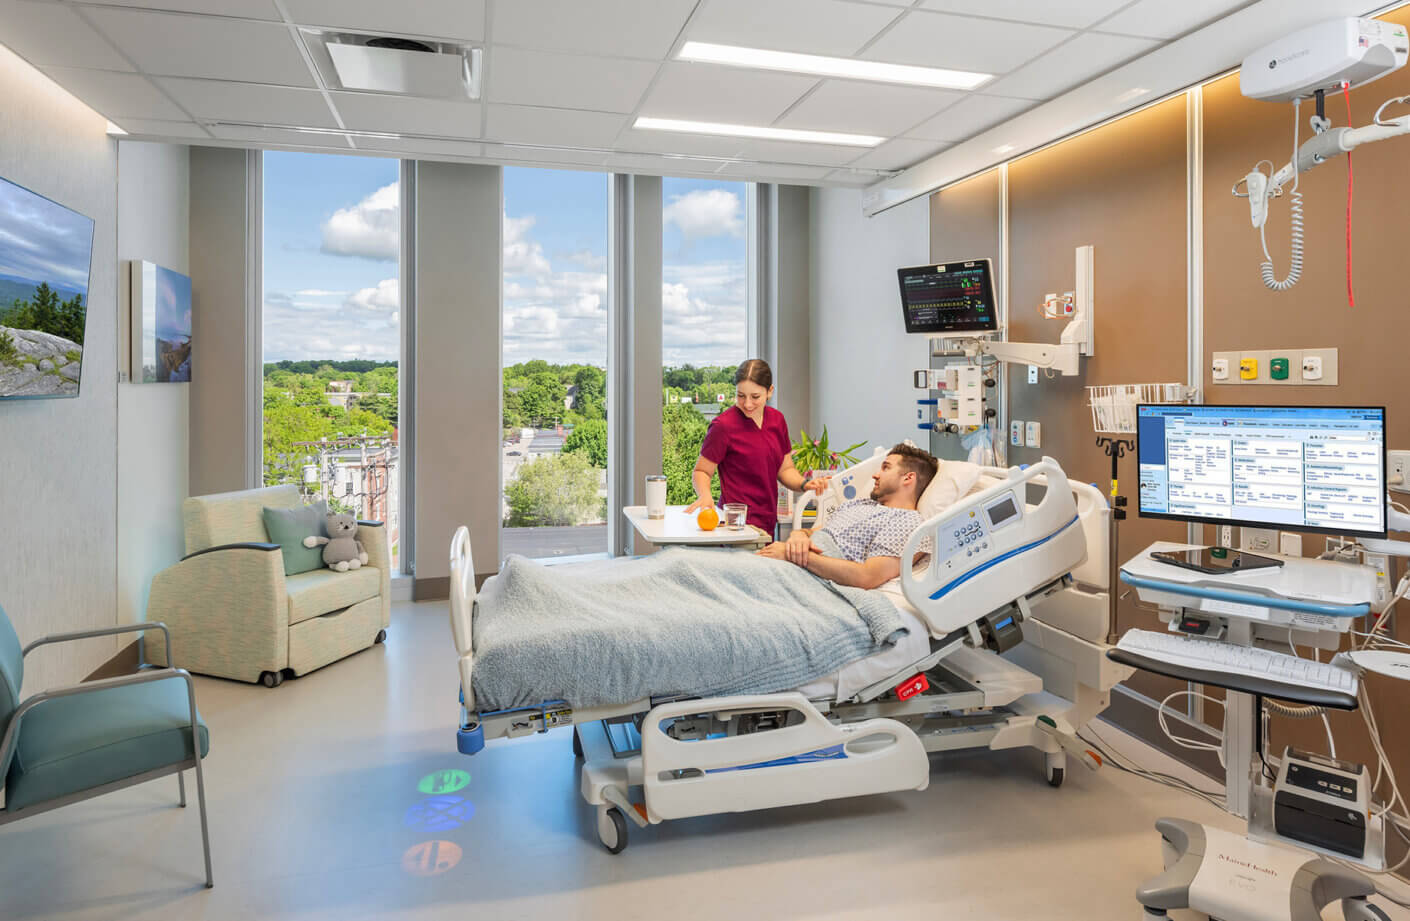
[{"x": 1248, "y": 369}]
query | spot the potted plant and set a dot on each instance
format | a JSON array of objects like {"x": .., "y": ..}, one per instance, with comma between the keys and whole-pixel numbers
[{"x": 815, "y": 457}]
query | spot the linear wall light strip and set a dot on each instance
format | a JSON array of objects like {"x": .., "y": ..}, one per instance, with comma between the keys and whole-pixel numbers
[{"x": 763, "y": 59}]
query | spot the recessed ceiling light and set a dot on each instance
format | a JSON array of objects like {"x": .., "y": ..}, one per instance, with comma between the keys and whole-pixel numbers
[
  {"x": 1003, "y": 148},
  {"x": 757, "y": 131},
  {"x": 831, "y": 67}
]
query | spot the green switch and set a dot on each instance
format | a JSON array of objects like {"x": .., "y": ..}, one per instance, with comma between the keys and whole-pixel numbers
[{"x": 1278, "y": 369}]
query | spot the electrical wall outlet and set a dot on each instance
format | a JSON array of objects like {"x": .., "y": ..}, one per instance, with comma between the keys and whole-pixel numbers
[
  {"x": 1398, "y": 465},
  {"x": 1034, "y": 434},
  {"x": 1258, "y": 540},
  {"x": 1380, "y": 562},
  {"x": 1016, "y": 433},
  {"x": 1032, "y": 374},
  {"x": 1225, "y": 536},
  {"x": 1290, "y": 544}
]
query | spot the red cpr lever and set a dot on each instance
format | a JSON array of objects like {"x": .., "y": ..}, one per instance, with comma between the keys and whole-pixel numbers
[{"x": 912, "y": 686}]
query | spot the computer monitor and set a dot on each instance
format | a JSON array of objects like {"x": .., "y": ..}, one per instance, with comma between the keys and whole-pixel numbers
[
  {"x": 952, "y": 297},
  {"x": 1305, "y": 468}
]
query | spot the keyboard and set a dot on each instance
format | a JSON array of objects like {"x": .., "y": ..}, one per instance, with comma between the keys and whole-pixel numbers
[{"x": 1240, "y": 668}]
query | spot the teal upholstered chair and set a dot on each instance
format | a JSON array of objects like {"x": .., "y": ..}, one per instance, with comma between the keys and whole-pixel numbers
[{"x": 69, "y": 744}]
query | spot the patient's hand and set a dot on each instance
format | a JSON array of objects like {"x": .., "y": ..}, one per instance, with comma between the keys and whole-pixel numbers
[{"x": 774, "y": 551}]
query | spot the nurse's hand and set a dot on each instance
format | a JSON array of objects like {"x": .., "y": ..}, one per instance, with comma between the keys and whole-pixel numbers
[
  {"x": 817, "y": 484},
  {"x": 698, "y": 504}
]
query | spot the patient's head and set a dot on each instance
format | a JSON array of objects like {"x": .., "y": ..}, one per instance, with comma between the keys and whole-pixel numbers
[{"x": 903, "y": 476}]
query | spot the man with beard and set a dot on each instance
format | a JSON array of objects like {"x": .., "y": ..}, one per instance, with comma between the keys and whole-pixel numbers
[{"x": 861, "y": 543}]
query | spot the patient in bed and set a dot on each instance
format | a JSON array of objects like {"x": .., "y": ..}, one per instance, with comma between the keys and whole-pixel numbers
[{"x": 862, "y": 542}]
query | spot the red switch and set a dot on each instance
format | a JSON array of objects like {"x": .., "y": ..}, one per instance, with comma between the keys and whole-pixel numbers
[{"x": 911, "y": 687}]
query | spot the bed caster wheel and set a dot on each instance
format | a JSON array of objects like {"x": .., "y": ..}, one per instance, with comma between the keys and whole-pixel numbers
[
  {"x": 577, "y": 744},
  {"x": 381, "y": 637},
  {"x": 271, "y": 679},
  {"x": 1055, "y": 777},
  {"x": 612, "y": 829},
  {"x": 1055, "y": 768},
  {"x": 1153, "y": 914}
]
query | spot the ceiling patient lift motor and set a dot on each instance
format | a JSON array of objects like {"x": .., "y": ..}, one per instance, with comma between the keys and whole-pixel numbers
[{"x": 1328, "y": 57}]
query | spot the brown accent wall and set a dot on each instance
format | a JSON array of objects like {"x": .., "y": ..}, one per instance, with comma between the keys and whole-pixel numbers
[
  {"x": 1371, "y": 338},
  {"x": 1124, "y": 189}
]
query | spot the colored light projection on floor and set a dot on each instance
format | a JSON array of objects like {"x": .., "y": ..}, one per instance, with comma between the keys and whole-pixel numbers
[
  {"x": 431, "y": 858},
  {"x": 440, "y": 782},
  {"x": 438, "y": 814}
]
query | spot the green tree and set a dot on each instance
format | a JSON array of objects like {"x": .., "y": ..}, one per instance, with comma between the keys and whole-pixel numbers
[
  {"x": 45, "y": 313},
  {"x": 542, "y": 400},
  {"x": 682, "y": 432},
  {"x": 589, "y": 438},
  {"x": 556, "y": 489},
  {"x": 7, "y": 346},
  {"x": 591, "y": 399}
]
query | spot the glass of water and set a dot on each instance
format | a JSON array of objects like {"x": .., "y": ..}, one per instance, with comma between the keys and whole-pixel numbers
[{"x": 735, "y": 515}]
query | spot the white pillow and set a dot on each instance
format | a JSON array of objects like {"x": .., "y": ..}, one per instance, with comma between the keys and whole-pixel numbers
[{"x": 953, "y": 480}]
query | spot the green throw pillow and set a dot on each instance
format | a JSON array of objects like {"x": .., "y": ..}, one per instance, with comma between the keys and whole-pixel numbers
[{"x": 288, "y": 527}]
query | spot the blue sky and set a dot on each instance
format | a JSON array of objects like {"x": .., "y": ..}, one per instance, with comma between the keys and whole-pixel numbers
[
  {"x": 330, "y": 271},
  {"x": 41, "y": 241}
]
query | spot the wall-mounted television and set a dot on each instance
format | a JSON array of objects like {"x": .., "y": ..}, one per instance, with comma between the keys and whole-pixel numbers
[{"x": 45, "y": 254}]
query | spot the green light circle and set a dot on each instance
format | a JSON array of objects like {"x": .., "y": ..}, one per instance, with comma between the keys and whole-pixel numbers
[{"x": 443, "y": 782}]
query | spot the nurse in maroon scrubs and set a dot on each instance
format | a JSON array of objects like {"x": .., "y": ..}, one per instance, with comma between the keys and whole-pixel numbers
[{"x": 748, "y": 444}]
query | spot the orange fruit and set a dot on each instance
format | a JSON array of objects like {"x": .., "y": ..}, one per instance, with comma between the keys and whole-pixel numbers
[{"x": 708, "y": 519}]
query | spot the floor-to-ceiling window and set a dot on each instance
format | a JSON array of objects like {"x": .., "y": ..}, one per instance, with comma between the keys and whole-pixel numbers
[
  {"x": 704, "y": 315},
  {"x": 554, "y": 447},
  {"x": 332, "y": 342}
]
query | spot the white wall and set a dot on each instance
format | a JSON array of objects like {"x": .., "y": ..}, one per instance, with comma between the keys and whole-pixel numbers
[
  {"x": 153, "y": 419},
  {"x": 59, "y": 459},
  {"x": 861, "y": 355}
]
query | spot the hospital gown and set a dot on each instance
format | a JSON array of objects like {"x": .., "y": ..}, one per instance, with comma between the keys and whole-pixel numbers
[{"x": 865, "y": 528}]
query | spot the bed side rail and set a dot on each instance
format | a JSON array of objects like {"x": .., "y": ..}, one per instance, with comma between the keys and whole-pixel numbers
[
  {"x": 462, "y": 610},
  {"x": 992, "y": 547}
]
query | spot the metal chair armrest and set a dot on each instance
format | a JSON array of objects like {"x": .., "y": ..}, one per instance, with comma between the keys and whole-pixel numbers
[
  {"x": 106, "y": 631},
  {"x": 159, "y": 674}
]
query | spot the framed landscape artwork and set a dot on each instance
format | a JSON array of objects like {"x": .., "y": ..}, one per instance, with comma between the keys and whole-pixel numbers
[{"x": 161, "y": 325}]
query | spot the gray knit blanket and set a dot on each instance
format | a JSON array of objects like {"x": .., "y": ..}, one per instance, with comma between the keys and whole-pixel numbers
[{"x": 682, "y": 621}]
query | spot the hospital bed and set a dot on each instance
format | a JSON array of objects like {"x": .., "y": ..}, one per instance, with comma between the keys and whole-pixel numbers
[{"x": 1008, "y": 620}]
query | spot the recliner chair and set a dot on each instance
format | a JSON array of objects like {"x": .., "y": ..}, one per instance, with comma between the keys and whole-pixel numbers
[{"x": 234, "y": 614}]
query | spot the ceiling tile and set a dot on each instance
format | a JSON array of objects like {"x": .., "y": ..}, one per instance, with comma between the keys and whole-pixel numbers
[
  {"x": 794, "y": 152},
  {"x": 1074, "y": 14},
  {"x": 715, "y": 93},
  {"x": 114, "y": 94},
  {"x": 1162, "y": 19},
  {"x": 161, "y": 129},
  {"x": 211, "y": 100},
  {"x": 968, "y": 117},
  {"x": 560, "y": 127},
  {"x": 1078, "y": 61},
  {"x": 442, "y": 19},
  {"x": 51, "y": 34},
  {"x": 421, "y": 146},
  {"x": 243, "y": 9},
  {"x": 830, "y": 27},
  {"x": 986, "y": 45},
  {"x": 898, "y": 154},
  {"x": 280, "y": 136},
  {"x": 518, "y": 76},
  {"x": 408, "y": 115},
  {"x": 202, "y": 46},
  {"x": 866, "y": 108},
  {"x": 611, "y": 28}
]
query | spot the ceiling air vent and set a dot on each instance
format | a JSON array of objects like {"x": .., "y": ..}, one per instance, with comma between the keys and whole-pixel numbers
[{"x": 392, "y": 64}]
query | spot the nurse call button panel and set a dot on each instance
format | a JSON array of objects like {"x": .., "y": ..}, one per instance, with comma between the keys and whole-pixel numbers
[{"x": 970, "y": 537}]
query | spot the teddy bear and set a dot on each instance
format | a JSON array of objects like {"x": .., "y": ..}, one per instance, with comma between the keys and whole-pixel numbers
[{"x": 343, "y": 551}]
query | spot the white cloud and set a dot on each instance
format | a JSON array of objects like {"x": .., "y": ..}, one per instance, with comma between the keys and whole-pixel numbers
[
  {"x": 522, "y": 255},
  {"x": 706, "y": 213},
  {"x": 585, "y": 258},
  {"x": 384, "y": 297},
  {"x": 370, "y": 229}
]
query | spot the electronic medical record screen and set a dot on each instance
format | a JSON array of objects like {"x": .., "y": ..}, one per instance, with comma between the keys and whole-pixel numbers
[
  {"x": 949, "y": 298},
  {"x": 1306, "y": 468}
]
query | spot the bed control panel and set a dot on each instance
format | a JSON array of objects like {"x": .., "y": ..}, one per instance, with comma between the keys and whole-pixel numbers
[{"x": 969, "y": 537}]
